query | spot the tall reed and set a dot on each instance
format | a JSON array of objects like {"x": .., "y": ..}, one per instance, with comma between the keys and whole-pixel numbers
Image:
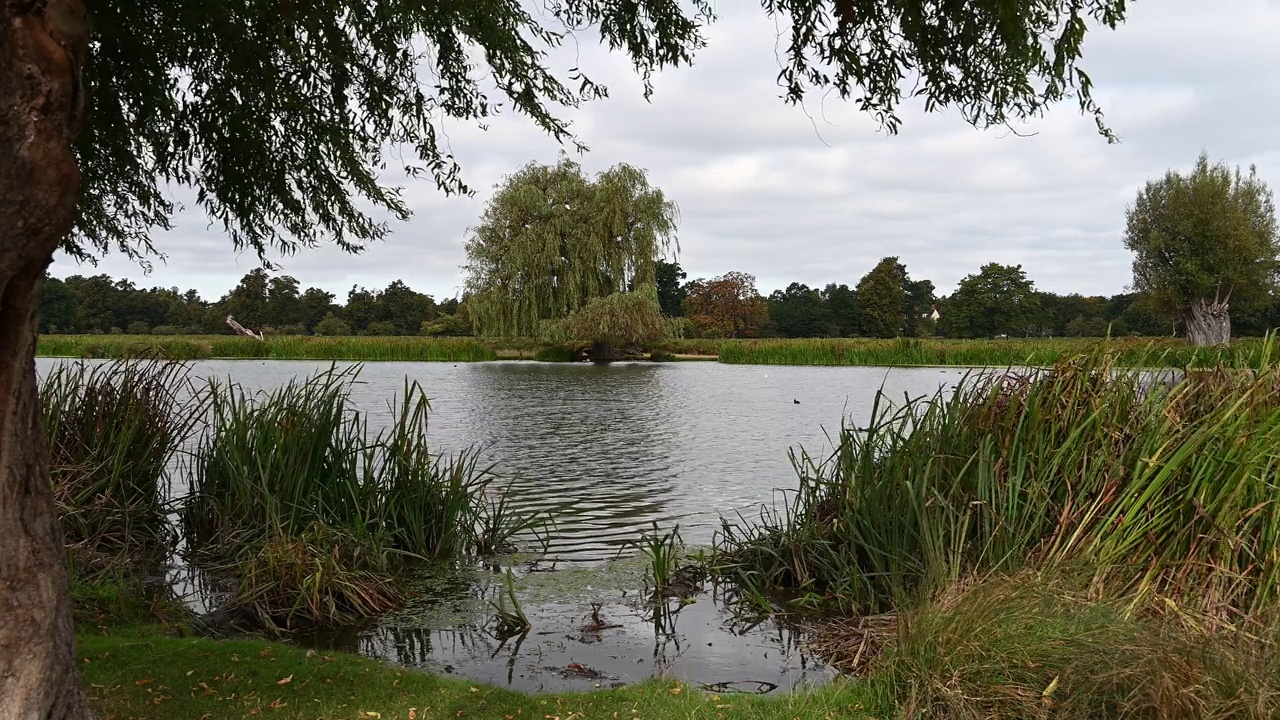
[
  {"x": 113, "y": 429},
  {"x": 274, "y": 463},
  {"x": 282, "y": 347},
  {"x": 1155, "y": 490},
  {"x": 1131, "y": 352}
]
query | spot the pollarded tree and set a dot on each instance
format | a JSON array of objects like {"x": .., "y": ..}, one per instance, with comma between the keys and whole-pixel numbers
[
  {"x": 551, "y": 240},
  {"x": 1203, "y": 241},
  {"x": 279, "y": 116}
]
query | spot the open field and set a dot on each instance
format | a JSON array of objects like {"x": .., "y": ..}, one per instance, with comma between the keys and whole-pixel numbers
[{"x": 775, "y": 351}]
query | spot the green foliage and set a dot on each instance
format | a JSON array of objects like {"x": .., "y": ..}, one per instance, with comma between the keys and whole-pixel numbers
[
  {"x": 554, "y": 353},
  {"x": 551, "y": 240},
  {"x": 882, "y": 299},
  {"x": 625, "y": 319},
  {"x": 113, "y": 429},
  {"x": 382, "y": 328},
  {"x": 998, "y": 300},
  {"x": 671, "y": 293},
  {"x": 1146, "y": 489},
  {"x": 275, "y": 347},
  {"x": 333, "y": 326},
  {"x": 273, "y": 464},
  {"x": 799, "y": 311},
  {"x": 1204, "y": 235}
]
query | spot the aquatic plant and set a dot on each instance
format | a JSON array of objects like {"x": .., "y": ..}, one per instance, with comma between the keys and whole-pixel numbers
[
  {"x": 320, "y": 576},
  {"x": 277, "y": 347},
  {"x": 1155, "y": 490},
  {"x": 509, "y": 619},
  {"x": 662, "y": 552},
  {"x": 1129, "y": 352},
  {"x": 113, "y": 429},
  {"x": 274, "y": 463}
]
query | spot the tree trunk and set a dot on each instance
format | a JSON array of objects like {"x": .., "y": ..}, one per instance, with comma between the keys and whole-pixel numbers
[
  {"x": 1208, "y": 322},
  {"x": 41, "y": 50}
]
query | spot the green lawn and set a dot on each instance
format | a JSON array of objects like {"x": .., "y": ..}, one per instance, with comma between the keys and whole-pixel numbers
[{"x": 140, "y": 673}]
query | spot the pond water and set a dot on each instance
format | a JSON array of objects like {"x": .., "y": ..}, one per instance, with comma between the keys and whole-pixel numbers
[{"x": 606, "y": 451}]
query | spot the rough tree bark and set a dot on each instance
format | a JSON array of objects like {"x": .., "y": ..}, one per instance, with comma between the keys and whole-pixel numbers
[
  {"x": 41, "y": 52},
  {"x": 1208, "y": 322}
]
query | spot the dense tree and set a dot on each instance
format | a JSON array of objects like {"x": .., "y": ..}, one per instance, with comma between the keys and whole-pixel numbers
[
  {"x": 841, "y": 303},
  {"x": 551, "y": 239},
  {"x": 1202, "y": 241},
  {"x": 671, "y": 292},
  {"x": 882, "y": 299},
  {"x": 57, "y": 307},
  {"x": 726, "y": 306},
  {"x": 998, "y": 300},
  {"x": 799, "y": 311},
  {"x": 197, "y": 94},
  {"x": 247, "y": 301},
  {"x": 920, "y": 300}
]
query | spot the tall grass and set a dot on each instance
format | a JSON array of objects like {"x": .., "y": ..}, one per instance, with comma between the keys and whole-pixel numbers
[
  {"x": 1031, "y": 647},
  {"x": 113, "y": 429},
  {"x": 314, "y": 512},
  {"x": 283, "y": 347},
  {"x": 274, "y": 463},
  {"x": 1156, "y": 491},
  {"x": 1164, "y": 352}
]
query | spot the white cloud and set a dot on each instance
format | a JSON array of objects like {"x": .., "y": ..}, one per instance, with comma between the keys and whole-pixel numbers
[{"x": 817, "y": 194}]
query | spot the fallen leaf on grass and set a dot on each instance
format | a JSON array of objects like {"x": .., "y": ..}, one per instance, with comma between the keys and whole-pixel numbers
[
  {"x": 278, "y": 703},
  {"x": 413, "y": 713},
  {"x": 284, "y": 681},
  {"x": 144, "y": 681},
  {"x": 370, "y": 714}
]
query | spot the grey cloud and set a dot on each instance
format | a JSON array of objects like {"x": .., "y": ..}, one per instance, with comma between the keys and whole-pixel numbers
[{"x": 817, "y": 194}]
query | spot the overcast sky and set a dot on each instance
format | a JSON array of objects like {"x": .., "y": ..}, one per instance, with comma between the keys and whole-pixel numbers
[{"x": 818, "y": 195}]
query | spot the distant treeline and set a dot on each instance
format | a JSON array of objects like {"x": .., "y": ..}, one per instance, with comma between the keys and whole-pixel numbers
[
  {"x": 998, "y": 300},
  {"x": 276, "y": 305}
]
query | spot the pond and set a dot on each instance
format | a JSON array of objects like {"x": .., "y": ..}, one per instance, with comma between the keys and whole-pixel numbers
[{"x": 606, "y": 451}]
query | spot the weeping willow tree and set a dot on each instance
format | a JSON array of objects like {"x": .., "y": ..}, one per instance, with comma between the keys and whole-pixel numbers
[
  {"x": 552, "y": 239},
  {"x": 616, "y": 326}
]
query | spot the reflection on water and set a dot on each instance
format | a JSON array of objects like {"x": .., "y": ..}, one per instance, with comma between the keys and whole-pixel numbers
[
  {"x": 606, "y": 451},
  {"x": 618, "y": 640}
]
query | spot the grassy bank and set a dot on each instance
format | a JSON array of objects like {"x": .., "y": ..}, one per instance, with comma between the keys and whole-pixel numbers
[{"x": 138, "y": 674}]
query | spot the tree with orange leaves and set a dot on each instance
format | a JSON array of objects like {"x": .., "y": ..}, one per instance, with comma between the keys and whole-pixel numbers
[{"x": 726, "y": 306}]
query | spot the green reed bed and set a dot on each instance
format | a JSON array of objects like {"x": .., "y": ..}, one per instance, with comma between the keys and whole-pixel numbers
[
  {"x": 1157, "y": 491},
  {"x": 284, "y": 347},
  {"x": 1164, "y": 352},
  {"x": 277, "y": 470},
  {"x": 113, "y": 430},
  {"x": 1077, "y": 541}
]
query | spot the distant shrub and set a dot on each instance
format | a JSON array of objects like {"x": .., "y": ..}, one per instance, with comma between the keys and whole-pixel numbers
[
  {"x": 165, "y": 330},
  {"x": 382, "y": 328},
  {"x": 332, "y": 326}
]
